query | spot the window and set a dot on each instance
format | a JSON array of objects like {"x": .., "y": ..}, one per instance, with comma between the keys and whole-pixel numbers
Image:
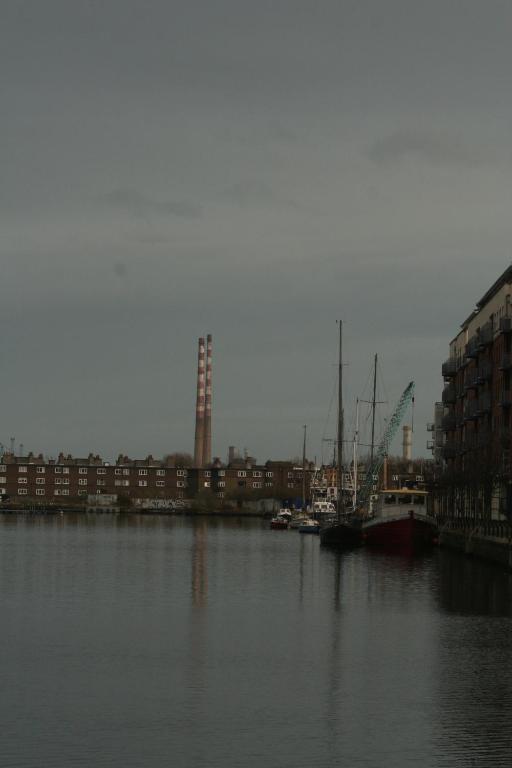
[
  {"x": 143, "y": 483},
  {"x": 22, "y": 468},
  {"x": 143, "y": 472},
  {"x": 160, "y": 472},
  {"x": 58, "y": 480},
  {"x": 269, "y": 474},
  {"x": 3, "y": 468},
  {"x": 257, "y": 474},
  {"x": 221, "y": 472},
  {"x": 41, "y": 470},
  {"x": 242, "y": 473},
  {"x": 180, "y": 494},
  {"x": 419, "y": 478},
  {"x": 82, "y": 492},
  {"x": 181, "y": 472},
  {"x": 65, "y": 470},
  {"x": 221, "y": 484},
  {"x": 160, "y": 483},
  {"x": 269, "y": 485},
  {"x": 58, "y": 470},
  {"x": 121, "y": 483},
  {"x": 65, "y": 492},
  {"x": 126, "y": 471},
  {"x": 3, "y": 479},
  {"x": 118, "y": 471},
  {"x": 207, "y": 483},
  {"x": 100, "y": 482},
  {"x": 65, "y": 481},
  {"x": 82, "y": 481},
  {"x": 207, "y": 473},
  {"x": 180, "y": 483},
  {"x": 40, "y": 491},
  {"x": 220, "y": 495},
  {"x": 22, "y": 491},
  {"x": 101, "y": 471},
  {"x": 257, "y": 485},
  {"x": 82, "y": 471},
  {"x": 22, "y": 480},
  {"x": 290, "y": 474},
  {"x": 290, "y": 485},
  {"x": 395, "y": 478},
  {"x": 40, "y": 480}
]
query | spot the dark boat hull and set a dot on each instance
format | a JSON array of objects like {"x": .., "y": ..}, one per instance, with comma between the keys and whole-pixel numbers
[
  {"x": 406, "y": 533},
  {"x": 342, "y": 535}
]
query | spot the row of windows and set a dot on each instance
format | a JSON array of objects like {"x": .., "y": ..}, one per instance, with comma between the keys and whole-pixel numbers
[
  {"x": 84, "y": 481},
  {"x": 23, "y": 468}
]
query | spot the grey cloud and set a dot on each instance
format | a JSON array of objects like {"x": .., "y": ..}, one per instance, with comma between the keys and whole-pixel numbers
[
  {"x": 433, "y": 148},
  {"x": 138, "y": 205}
]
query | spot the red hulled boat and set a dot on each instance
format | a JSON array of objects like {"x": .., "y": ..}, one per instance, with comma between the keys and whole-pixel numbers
[{"x": 398, "y": 520}]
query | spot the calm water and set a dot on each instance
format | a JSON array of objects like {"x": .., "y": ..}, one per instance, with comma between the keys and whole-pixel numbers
[{"x": 156, "y": 642}]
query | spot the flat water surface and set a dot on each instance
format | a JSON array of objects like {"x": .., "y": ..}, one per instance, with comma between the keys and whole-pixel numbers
[{"x": 152, "y": 641}]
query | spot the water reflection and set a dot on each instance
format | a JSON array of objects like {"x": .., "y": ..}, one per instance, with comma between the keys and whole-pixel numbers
[
  {"x": 199, "y": 563},
  {"x": 217, "y": 642},
  {"x": 472, "y": 586}
]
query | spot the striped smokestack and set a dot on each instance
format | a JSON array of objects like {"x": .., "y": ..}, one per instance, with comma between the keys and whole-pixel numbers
[
  {"x": 207, "y": 450},
  {"x": 200, "y": 402}
]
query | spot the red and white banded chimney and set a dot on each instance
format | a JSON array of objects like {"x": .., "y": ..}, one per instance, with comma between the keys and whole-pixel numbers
[
  {"x": 200, "y": 407},
  {"x": 207, "y": 449}
]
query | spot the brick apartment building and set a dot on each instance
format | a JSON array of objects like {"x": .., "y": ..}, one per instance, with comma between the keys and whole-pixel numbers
[
  {"x": 77, "y": 481},
  {"x": 477, "y": 401}
]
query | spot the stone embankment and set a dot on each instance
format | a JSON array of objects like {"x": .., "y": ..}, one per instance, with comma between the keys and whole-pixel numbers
[{"x": 487, "y": 539}]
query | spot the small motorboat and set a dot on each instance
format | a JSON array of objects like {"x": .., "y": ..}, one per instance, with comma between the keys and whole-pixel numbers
[
  {"x": 309, "y": 526},
  {"x": 281, "y": 521}
]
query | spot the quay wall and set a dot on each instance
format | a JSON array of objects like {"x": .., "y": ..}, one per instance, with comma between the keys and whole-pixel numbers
[{"x": 487, "y": 541}]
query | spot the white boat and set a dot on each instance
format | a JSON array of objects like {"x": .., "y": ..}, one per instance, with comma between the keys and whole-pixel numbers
[
  {"x": 298, "y": 520},
  {"x": 309, "y": 526}
]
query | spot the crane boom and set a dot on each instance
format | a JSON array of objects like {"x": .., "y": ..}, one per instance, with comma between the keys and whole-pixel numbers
[{"x": 382, "y": 450}]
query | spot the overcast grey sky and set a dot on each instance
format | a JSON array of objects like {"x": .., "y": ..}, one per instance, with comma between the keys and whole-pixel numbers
[{"x": 250, "y": 169}]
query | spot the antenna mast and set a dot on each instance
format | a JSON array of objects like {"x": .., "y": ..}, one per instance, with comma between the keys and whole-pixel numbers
[{"x": 340, "y": 424}]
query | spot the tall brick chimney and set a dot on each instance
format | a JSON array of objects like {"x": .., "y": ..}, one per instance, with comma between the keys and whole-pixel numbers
[
  {"x": 200, "y": 403},
  {"x": 207, "y": 450}
]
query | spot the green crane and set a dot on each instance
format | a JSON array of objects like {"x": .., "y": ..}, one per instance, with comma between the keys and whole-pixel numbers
[{"x": 382, "y": 450}]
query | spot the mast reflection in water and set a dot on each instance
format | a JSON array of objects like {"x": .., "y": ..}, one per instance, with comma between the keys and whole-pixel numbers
[{"x": 130, "y": 641}]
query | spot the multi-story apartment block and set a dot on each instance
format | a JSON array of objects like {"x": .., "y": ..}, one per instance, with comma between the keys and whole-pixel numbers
[
  {"x": 477, "y": 396},
  {"x": 70, "y": 480}
]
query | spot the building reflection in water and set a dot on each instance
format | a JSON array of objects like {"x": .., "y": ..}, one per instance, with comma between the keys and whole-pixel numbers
[
  {"x": 199, "y": 564},
  {"x": 474, "y": 675}
]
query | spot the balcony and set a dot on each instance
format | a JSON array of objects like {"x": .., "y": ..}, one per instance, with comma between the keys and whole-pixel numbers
[
  {"x": 485, "y": 336},
  {"x": 449, "y": 396},
  {"x": 470, "y": 409},
  {"x": 449, "y": 422},
  {"x": 472, "y": 347},
  {"x": 449, "y": 368},
  {"x": 471, "y": 379},
  {"x": 506, "y": 324}
]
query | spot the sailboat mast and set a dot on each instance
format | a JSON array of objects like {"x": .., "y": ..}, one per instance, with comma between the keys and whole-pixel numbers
[
  {"x": 304, "y": 470},
  {"x": 373, "y": 409},
  {"x": 354, "y": 461},
  {"x": 340, "y": 424}
]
